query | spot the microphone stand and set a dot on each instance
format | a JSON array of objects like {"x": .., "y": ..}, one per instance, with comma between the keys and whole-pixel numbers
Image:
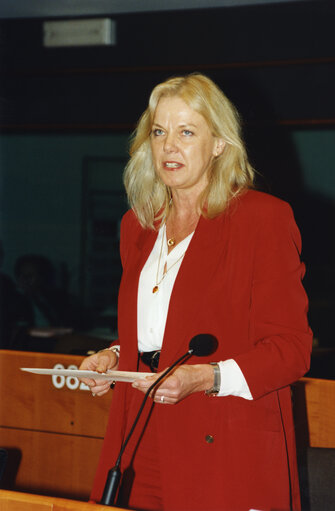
[{"x": 114, "y": 474}]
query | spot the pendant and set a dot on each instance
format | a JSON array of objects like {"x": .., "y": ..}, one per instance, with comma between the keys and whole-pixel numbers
[
  {"x": 155, "y": 289},
  {"x": 171, "y": 242}
]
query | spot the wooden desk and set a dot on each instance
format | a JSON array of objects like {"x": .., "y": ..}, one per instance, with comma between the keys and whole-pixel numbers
[
  {"x": 15, "y": 501},
  {"x": 53, "y": 434},
  {"x": 314, "y": 410}
]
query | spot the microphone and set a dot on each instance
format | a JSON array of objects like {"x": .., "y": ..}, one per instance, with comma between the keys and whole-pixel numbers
[{"x": 201, "y": 345}]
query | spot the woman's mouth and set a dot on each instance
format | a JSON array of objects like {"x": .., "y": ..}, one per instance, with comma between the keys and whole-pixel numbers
[{"x": 172, "y": 165}]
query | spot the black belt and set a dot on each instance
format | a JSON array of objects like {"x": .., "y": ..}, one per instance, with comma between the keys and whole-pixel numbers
[{"x": 151, "y": 359}]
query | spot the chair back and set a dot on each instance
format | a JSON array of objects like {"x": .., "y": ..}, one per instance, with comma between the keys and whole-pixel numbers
[{"x": 3, "y": 461}]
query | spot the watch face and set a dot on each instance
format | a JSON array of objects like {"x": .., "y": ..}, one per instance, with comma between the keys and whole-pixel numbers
[{"x": 211, "y": 392}]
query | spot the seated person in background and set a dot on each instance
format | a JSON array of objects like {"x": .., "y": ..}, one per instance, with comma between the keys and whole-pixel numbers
[
  {"x": 34, "y": 276},
  {"x": 43, "y": 309},
  {"x": 9, "y": 305}
]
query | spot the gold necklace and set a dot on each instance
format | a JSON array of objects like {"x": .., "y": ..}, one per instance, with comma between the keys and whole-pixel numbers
[
  {"x": 156, "y": 287},
  {"x": 172, "y": 241}
]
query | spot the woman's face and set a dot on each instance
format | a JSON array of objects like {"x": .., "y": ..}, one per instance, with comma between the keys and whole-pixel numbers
[{"x": 182, "y": 146}]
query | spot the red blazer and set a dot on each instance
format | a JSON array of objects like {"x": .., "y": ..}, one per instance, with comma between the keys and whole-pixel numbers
[{"x": 240, "y": 280}]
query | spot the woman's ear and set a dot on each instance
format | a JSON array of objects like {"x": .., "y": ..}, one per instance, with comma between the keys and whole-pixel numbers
[{"x": 219, "y": 146}]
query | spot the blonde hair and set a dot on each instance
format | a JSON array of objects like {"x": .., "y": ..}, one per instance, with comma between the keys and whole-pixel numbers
[{"x": 231, "y": 172}]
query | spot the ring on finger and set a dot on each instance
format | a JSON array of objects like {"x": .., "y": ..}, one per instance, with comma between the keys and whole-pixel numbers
[{"x": 162, "y": 399}]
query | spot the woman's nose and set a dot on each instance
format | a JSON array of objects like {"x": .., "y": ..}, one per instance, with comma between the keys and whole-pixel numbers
[{"x": 170, "y": 143}]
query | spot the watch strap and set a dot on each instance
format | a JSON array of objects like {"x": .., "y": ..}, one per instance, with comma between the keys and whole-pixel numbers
[{"x": 217, "y": 381}]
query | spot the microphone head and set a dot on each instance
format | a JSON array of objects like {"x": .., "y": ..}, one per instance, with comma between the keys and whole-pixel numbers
[{"x": 203, "y": 345}]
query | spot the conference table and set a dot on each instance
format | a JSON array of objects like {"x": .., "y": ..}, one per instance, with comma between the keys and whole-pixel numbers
[
  {"x": 53, "y": 428},
  {"x": 16, "y": 501}
]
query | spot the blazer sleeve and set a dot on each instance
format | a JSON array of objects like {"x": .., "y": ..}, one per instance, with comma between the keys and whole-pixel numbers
[
  {"x": 282, "y": 339},
  {"x": 127, "y": 228}
]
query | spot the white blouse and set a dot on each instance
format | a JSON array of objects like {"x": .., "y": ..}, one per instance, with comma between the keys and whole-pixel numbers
[{"x": 152, "y": 309}]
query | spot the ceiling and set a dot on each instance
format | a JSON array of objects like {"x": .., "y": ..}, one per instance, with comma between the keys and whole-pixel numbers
[{"x": 65, "y": 8}]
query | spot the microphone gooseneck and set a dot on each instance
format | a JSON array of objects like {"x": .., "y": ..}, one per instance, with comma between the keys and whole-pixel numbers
[{"x": 201, "y": 345}]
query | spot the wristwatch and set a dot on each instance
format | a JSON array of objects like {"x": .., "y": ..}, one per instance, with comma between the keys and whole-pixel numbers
[
  {"x": 114, "y": 349},
  {"x": 217, "y": 380}
]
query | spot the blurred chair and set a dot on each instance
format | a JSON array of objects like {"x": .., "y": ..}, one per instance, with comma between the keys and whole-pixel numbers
[
  {"x": 317, "y": 479},
  {"x": 314, "y": 415},
  {"x": 3, "y": 461}
]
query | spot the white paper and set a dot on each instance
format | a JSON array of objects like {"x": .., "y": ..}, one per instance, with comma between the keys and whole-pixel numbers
[{"x": 125, "y": 376}]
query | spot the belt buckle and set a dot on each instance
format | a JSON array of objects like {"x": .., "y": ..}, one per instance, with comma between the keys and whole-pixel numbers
[{"x": 154, "y": 361}]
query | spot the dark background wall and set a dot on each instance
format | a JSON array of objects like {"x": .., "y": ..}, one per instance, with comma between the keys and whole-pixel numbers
[
  {"x": 63, "y": 107},
  {"x": 275, "y": 61}
]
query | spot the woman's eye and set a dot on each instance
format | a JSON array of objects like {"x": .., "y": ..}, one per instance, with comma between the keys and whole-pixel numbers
[
  {"x": 188, "y": 133},
  {"x": 157, "y": 132}
]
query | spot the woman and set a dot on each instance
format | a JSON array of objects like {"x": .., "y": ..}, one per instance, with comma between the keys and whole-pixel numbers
[{"x": 202, "y": 252}]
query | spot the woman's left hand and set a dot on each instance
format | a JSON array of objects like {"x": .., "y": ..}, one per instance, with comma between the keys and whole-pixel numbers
[{"x": 183, "y": 381}]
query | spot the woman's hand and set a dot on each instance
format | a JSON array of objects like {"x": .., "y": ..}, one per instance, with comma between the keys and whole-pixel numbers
[
  {"x": 183, "y": 381},
  {"x": 101, "y": 362}
]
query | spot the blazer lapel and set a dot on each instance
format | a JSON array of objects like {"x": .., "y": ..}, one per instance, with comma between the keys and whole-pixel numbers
[
  {"x": 204, "y": 253},
  {"x": 139, "y": 252}
]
